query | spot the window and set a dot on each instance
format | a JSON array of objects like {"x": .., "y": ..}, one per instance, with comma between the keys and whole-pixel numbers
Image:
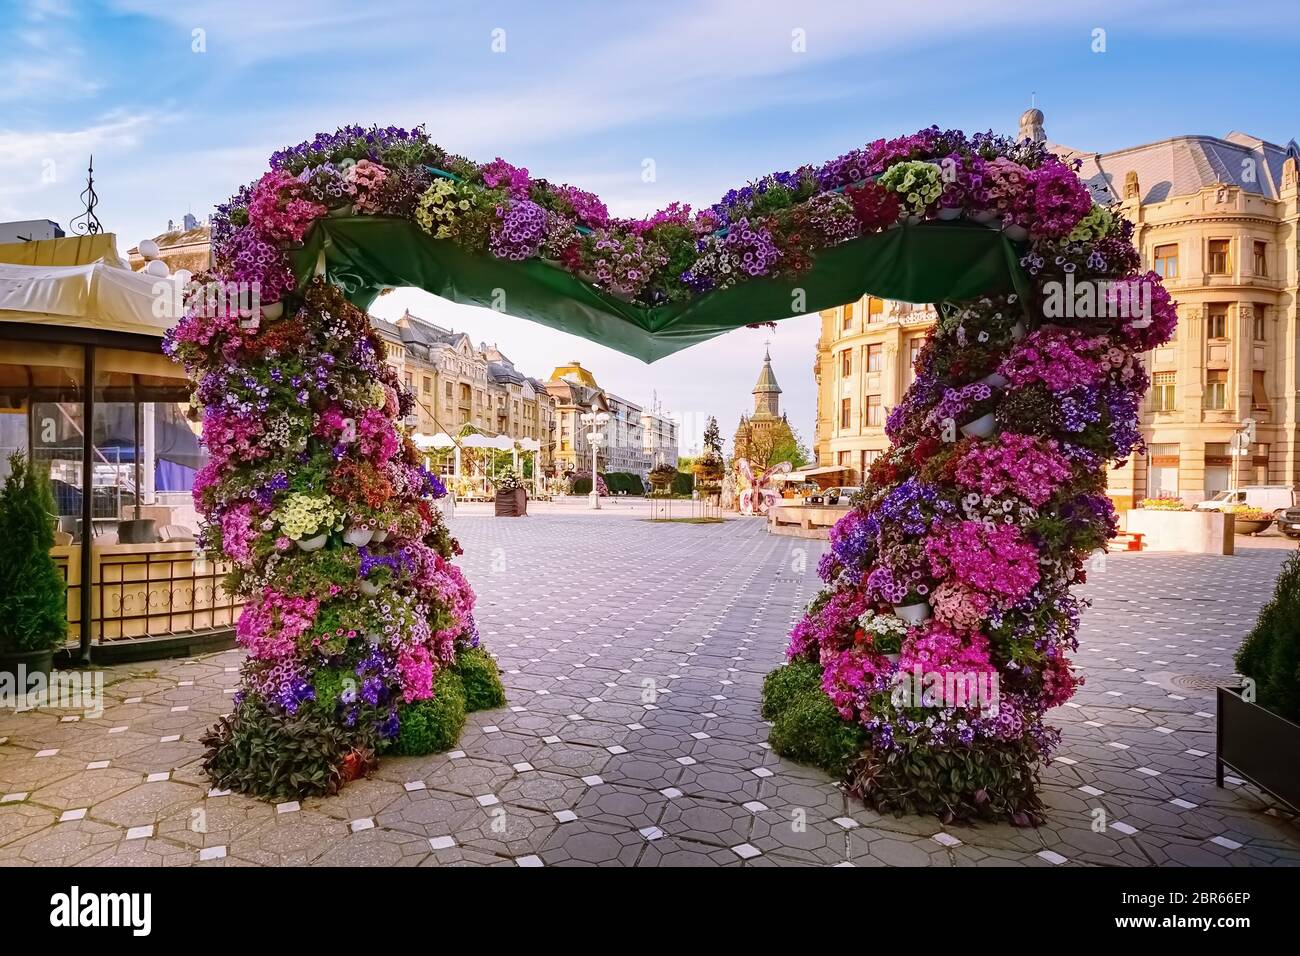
[
  {"x": 1261, "y": 260},
  {"x": 449, "y": 391},
  {"x": 869, "y": 457},
  {"x": 875, "y": 357},
  {"x": 1216, "y": 326},
  {"x": 844, "y": 458},
  {"x": 408, "y": 381},
  {"x": 1163, "y": 386},
  {"x": 1260, "y": 327},
  {"x": 1258, "y": 396},
  {"x": 846, "y": 362},
  {"x": 1167, "y": 261},
  {"x": 1162, "y": 470},
  {"x": 1218, "y": 468},
  {"x": 847, "y": 322},
  {"x": 1218, "y": 260},
  {"x": 1216, "y": 388},
  {"x": 426, "y": 385},
  {"x": 1261, "y": 464},
  {"x": 875, "y": 412},
  {"x": 875, "y": 307},
  {"x": 846, "y": 413}
]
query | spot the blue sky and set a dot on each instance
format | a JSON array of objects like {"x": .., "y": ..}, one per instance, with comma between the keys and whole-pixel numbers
[{"x": 586, "y": 92}]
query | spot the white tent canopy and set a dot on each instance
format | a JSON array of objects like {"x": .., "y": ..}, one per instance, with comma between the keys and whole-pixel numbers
[
  {"x": 809, "y": 473},
  {"x": 94, "y": 296}
]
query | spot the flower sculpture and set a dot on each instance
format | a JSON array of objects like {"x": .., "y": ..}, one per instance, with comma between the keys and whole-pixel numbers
[
  {"x": 759, "y": 495},
  {"x": 359, "y": 631},
  {"x": 957, "y": 568}
]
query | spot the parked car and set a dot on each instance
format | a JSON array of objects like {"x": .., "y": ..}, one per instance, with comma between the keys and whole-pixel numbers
[
  {"x": 1274, "y": 498},
  {"x": 1288, "y": 522},
  {"x": 840, "y": 494}
]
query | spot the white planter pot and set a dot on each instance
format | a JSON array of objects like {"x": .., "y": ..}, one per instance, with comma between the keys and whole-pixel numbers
[
  {"x": 995, "y": 380},
  {"x": 981, "y": 427},
  {"x": 985, "y": 217},
  {"x": 358, "y": 536},
  {"x": 381, "y": 535},
  {"x": 1018, "y": 331},
  {"x": 948, "y": 213},
  {"x": 1015, "y": 233},
  {"x": 913, "y": 220},
  {"x": 368, "y": 587},
  {"x": 892, "y": 658},
  {"x": 314, "y": 543},
  {"x": 913, "y": 613},
  {"x": 273, "y": 311},
  {"x": 374, "y": 637},
  {"x": 338, "y": 212}
]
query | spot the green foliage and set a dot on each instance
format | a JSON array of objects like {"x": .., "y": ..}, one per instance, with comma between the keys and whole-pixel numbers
[
  {"x": 481, "y": 679},
  {"x": 989, "y": 781},
  {"x": 790, "y": 449},
  {"x": 713, "y": 436},
  {"x": 433, "y": 725},
  {"x": 278, "y": 756},
  {"x": 683, "y": 484},
  {"x": 623, "y": 481},
  {"x": 787, "y": 682},
  {"x": 582, "y": 486},
  {"x": 808, "y": 729},
  {"x": 33, "y": 596},
  {"x": 1270, "y": 655}
]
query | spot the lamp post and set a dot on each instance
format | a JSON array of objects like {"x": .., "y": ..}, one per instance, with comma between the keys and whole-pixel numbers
[{"x": 594, "y": 423}]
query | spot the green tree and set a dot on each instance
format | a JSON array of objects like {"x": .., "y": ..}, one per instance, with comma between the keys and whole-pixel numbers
[
  {"x": 791, "y": 449},
  {"x": 712, "y": 436},
  {"x": 33, "y": 596},
  {"x": 1270, "y": 655}
]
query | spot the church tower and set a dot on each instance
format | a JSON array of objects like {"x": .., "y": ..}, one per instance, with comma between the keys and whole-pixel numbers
[{"x": 767, "y": 394}]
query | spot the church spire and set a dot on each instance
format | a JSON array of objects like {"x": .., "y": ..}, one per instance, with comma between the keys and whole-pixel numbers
[{"x": 766, "y": 391}]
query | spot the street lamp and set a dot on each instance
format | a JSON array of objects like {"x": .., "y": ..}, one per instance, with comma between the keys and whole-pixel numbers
[{"x": 594, "y": 422}]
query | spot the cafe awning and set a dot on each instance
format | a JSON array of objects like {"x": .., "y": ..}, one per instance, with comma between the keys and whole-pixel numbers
[
  {"x": 97, "y": 295},
  {"x": 810, "y": 473}
]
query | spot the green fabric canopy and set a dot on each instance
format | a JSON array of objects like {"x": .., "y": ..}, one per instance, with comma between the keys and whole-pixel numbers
[{"x": 929, "y": 262}]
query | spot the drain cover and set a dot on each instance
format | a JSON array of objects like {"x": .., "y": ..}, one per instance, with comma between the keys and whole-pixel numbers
[{"x": 1198, "y": 682}]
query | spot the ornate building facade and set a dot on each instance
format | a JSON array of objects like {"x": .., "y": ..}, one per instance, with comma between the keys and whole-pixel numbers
[
  {"x": 456, "y": 383},
  {"x": 634, "y": 437},
  {"x": 1218, "y": 219},
  {"x": 766, "y": 430}
]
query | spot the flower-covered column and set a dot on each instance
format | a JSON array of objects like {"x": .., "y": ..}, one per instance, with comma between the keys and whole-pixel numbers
[
  {"x": 359, "y": 629},
  {"x": 925, "y": 668}
]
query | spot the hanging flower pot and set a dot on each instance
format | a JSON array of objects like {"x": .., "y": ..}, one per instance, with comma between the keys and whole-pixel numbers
[
  {"x": 892, "y": 658},
  {"x": 948, "y": 213},
  {"x": 358, "y": 536},
  {"x": 314, "y": 543},
  {"x": 369, "y": 588},
  {"x": 1018, "y": 331},
  {"x": 338, "y": 212},
  {"x": 981, "y": 427},
  {"x": 995, "y": 380},
  {"x": 913, "y": 613},
  {"x": 985, "y": 216},
  {"x": 1015, "y": 233},
  {"x": 380, "y": 535},
  {"x": 273, "y": 311}
]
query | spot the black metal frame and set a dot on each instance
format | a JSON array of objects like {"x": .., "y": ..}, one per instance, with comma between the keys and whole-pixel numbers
[{"x": 1263, "y": 747}]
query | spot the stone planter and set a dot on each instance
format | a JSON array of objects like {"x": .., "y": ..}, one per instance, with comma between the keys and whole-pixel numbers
[
  {"x": 1259, "y": 745},
  {"x": 314, "y": 543},
  {"x": 1196, "y": 532},
  {"x": 1250, "y": 525},
  {"x": 512, "y": 504}
]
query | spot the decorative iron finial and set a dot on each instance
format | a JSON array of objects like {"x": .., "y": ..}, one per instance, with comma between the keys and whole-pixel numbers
[{"x": 91, "y": 225}]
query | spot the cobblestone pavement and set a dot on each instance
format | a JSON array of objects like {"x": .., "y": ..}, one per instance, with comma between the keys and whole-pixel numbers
[{"x": 586, "y": 613}]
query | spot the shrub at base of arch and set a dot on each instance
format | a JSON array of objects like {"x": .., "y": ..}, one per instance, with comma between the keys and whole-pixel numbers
[
  {"x": 355, "y": 617},
  {"x": 945, "y": 626}
]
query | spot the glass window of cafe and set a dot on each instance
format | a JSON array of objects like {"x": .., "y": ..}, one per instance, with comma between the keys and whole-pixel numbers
[{"x": 145, "y": 447}]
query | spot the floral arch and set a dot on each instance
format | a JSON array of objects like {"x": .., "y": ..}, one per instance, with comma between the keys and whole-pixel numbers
[{"x": 359, "y": 629}]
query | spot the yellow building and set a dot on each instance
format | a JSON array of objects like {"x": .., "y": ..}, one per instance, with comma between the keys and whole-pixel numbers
[
  {"x": 1218, "y": 219},
  {"x": 456, "y": 383}
]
